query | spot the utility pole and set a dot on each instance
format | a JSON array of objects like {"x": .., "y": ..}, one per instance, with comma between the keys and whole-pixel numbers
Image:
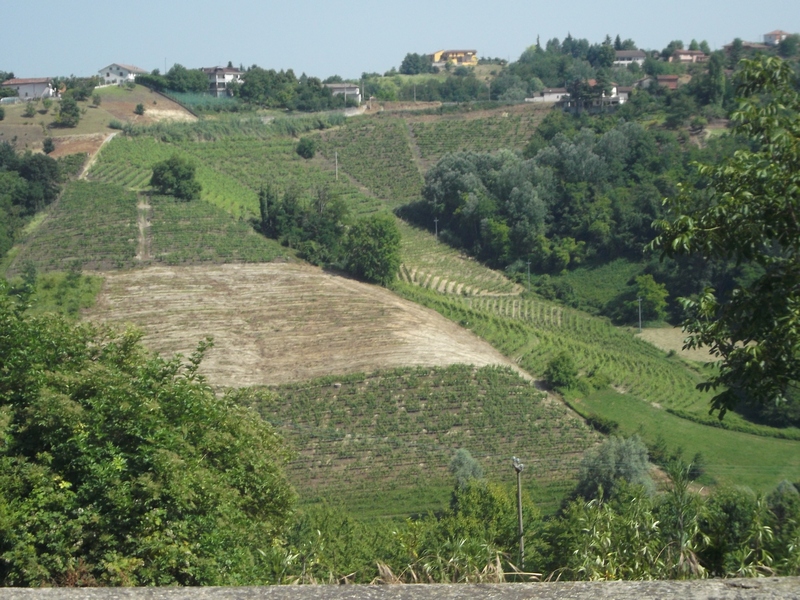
[
  {"x": 529, "y": 276},
  {"x": 518, "y": 466},
  {"x": 336, "y": 160},
  {"x": 436, "y": 225},
  {"x": 639, "y": 299}
]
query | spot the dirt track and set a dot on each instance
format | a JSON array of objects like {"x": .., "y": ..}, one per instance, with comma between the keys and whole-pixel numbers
[{"x": 275, "y": 323}]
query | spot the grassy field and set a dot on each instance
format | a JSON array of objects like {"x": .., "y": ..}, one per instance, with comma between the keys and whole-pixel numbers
[
  {"x": 732, "y": 457},
  {"x": 381, "y": 443}
]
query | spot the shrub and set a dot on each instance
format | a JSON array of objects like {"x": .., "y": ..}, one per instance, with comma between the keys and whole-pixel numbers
[
  {"x": 306, "y": 147},
  {"x": 139, "y": 110},
  {"x": 48, "y": 145},
  {"x": 465, "y": 468},
  {"x": 175, "y": 177},
  {"x": 617, "y": 459},
  {"x": 561, "y": 372},
  {"x": 2, "y": 113}
]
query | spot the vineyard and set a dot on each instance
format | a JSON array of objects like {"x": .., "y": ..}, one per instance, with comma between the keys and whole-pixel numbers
[
  {"x": 231, "y": 170},
  {"x": 92, "y": 223},
  {"x": 533, "y": 331},
  {"x": 377, "y": 154},
  {"x": 436, "y": 266},
  {"x": 196, "y": 232},
  {"x": 381, "y": 443},
  {"x": 498, "y": 130}
]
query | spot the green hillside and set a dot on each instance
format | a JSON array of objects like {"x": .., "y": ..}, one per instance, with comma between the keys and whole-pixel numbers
[
  {"x": 381, "y": 443},
  {"x": 109, "y": 222}
]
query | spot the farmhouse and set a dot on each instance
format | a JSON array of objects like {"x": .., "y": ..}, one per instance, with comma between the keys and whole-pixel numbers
[
  {"x": 773, "y": 38},
  {"x": 220, "y": 77},
  {"x": 626, "y": 57},
  {"x": 348, "y": 90},
  {"x": 119, "y": 73},
  {"x": 467, "y": 58},
  {"x": 31, "y": 89}
]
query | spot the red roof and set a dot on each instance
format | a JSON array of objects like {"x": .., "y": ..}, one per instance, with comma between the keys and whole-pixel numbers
[{"x": 26, "y": 81}]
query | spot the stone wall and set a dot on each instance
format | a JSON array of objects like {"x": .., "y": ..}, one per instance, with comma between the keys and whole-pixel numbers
[{"x": 783, "y": 588}]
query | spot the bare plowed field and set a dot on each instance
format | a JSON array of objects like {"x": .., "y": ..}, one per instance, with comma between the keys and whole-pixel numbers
[{"x": 278, "y": 322}]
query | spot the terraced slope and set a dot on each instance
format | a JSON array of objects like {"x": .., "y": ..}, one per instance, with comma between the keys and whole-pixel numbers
[{"x": 277, "y": 322}]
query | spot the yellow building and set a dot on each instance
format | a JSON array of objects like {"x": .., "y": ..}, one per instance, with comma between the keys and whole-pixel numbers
[{"x": 467, "y": 58}]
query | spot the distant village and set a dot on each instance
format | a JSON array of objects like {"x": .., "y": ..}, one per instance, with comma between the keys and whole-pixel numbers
[{"x": 221, "y": 79}]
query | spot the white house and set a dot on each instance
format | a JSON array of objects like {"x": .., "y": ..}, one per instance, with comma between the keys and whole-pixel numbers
[
  {"x": 550, "y": 95},
  {"x": 624, "y": 58},
  {"x": 220, "y": 77},
  {"x": 119, "y": 73},
  {"x": 773, "y": 38},
  {"x": 348, "y": 90},
  {"x": 31, "y": 89}
]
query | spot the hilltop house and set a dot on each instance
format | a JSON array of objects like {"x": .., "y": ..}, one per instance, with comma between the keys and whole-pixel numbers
[
  {"x": 119, "y": 73},
  {"x": 220, "y": 77},
  {"x": 467, "y": 58},
  {"x": 550, "y": 95},
  {"x": 31, "y": 89},
  {"x": 688, "y": 56},
  {"x": 773, "y": 38},
  {"x": 348, "y": 90},
  {"x": 626, "y": 57}
]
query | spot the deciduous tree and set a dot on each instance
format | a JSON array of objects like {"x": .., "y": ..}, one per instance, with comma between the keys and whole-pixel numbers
[{"x": 748, "y": 213}]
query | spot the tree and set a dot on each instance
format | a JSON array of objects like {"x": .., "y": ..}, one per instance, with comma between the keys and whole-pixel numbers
[
  {"x": 413, "y": 64},
  {"x": 69, "y": 115},
  {"x": 47, "y": 145},
  {"x": 561, "y": 371},
  {"x": 176, "y": 177},
  {"x": 118, "y": 467},
  {"x": 2, "y": 113},
  {"x": 30, "y": 110},
  {"x": 654, "y": 298},
  {"x": 96, "y": 99},
  {"x": 748, "y": 213},
  {"x": 139, "y": 110},
  {"x": 373, "y": 249},
  {"x": 614, "y": 460},
  {"x": 465, "y": 468}
]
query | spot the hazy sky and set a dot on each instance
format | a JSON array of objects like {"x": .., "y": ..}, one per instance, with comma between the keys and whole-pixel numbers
[{"x": 321, "y": 38}]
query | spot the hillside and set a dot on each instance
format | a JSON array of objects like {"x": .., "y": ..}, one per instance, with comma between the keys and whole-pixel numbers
[
  {"x": 182, "y": 271},
  {"x": 382, "y": 442},
  {"x": 282, "y": 322}
]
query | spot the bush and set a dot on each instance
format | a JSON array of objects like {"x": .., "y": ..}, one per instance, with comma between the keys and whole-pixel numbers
[
  {"x": 465, "y": 468},
  {"x": 30, "y": 110},
  {"x": 115, "y": 124},
  {"x": 139, "y": 110},
  {"x": 617, "y": 459},
  {"x": 2, "y": 113},
  {"x": 306, "y": 147},
  {"x": 48, "y": 145},
  {"x": 561, "y": 372}
]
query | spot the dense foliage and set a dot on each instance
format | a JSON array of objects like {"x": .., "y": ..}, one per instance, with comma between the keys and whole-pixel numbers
[
  {"x": 282, "y": 89},
  {"x": 176, "y": 177},
  {"x": 119, "y": 467},
  {"x": 373, "y": 249},
  {"x": 748, "y": 214}
]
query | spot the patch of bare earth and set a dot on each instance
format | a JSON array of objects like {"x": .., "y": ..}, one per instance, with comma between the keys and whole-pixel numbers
[
  {"x": 671, "y": 338},
  {"x": 77, "y": 144},
  {"x": 274, "y": 323}
]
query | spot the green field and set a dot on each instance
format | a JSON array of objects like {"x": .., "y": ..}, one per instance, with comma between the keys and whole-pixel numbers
[
  {"x": 732, "y": 457},
  {"x": 381, "y": 443}
]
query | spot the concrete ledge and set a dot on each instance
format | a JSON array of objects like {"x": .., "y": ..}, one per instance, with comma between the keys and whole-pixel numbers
[{"x": 783, "y": 588}]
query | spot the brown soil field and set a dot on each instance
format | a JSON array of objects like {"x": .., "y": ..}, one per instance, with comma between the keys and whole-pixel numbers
[
  {"x": 278, "y": 322},
  {"x": 671, "y": 338}
]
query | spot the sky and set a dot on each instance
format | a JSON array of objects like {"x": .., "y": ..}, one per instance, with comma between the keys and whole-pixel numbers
[{"x": 47, "y": 38}]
